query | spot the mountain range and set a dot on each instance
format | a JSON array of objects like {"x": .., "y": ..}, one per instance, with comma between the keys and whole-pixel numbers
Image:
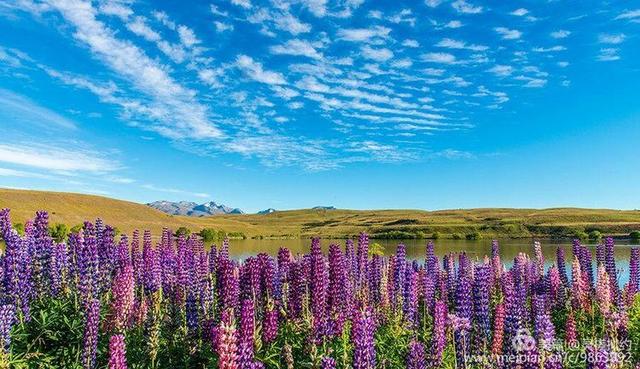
[{"x": 193, "y": 209}]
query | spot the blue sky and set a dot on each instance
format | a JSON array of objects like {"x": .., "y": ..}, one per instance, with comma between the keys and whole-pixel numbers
[{"x": 297, "y": 103}]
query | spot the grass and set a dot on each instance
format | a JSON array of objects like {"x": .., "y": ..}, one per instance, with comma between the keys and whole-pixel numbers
[{"x": 72, "y": 209}]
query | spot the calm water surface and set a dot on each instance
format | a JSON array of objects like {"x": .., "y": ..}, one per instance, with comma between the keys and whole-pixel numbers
[{"x": 509, "y": 248}]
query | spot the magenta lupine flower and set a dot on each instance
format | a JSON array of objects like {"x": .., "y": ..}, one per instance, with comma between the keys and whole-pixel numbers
[
  {"x": 227, "y": 342},
  {"x": 328, "y": 363},
  {"x": 319, "y": 285},
  {"x": 481, "y": 319},
  {"x": 571, "y": 330},
  {"x": 579, "y": 287},
  {"x": 554, "y": 287},
  {"x": 416, "y": 358},
  {"x": 603, "y": 291},
  {"x": 439, "y": 336},
  {"x": 117, "y": 352},
  {"x": 245, "y": 337},
  {"x": 123, "y": 297},
  {"x": 90, "y": 344},
  {"x": 270, "y": 324},
  {"x": 7, "y": 319},
  {"x": 362, "y": 331},
  {"x": 498, "y": 329}
]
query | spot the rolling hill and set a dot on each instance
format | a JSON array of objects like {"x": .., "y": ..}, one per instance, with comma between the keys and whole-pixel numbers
[{"x": 72, "y": 209}]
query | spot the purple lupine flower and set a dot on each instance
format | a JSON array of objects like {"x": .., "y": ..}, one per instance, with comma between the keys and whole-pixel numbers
[
  {"x": 270, "y": 324},
  {"x": 297, "y": 289},
  {"x": 597, "y": 358},
  {"x": 399, "y": 277},
  {"x": 117, "y": 352},
  {"x": 610, "y": 265},
  {"x": 634, "y": 272},
  {"x": 88, "y": 267},
  {"x": 136, "y": 258},
  {"x": 362, "y": 331},
  {"x": 439, "y": 336},
  {"x": 191, "y": 311},
  {"x": 250, "y": 279},
  {"x": 41, "y": 246},
  {"x": 416, "y": 359},
  {"x": 362, "y": 260},
  {"x": 319, "y": 285},
  {"x": 544, "y": 329},
  {"x": 410, "y": 299},
  {"x": 168, "y": 266},
  {"x": 267, "y": 277},
  {"x": 107, "y": 256},
  {"x": 375, "y": 279},
  {"x": 351, "y": 260},
  {"x": 228, "y": 280},
  {"x": 481, "y": 319},
  {"x": 339, "y": 292},
  {"x": 328, "y": 363},
  {"x": 17, "y": 278},
  {"x": 245, "y": 337},
  {"x": 562, "y": 268},
  {"x": 59, "y": 268},
  {"x": 7, "y": 319},
  {"x": 429, "y": 281},
  {"x": 449, "y": 267},
  {"x": 90, "y": 343}
]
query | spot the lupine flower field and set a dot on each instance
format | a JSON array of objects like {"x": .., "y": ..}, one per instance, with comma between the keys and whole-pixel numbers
[{"x": 135, "y": 301}]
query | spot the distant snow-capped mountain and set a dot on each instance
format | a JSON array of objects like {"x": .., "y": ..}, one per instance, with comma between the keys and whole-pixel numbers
[
  {"x": 192, "y": 209},
  {"x": 267, "y": 211}
]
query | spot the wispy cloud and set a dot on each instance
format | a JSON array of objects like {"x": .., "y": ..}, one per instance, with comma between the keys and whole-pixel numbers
[
  {"x": 175, "y": 191},
  {"x": 501, "y": 70},
  {"x": 613, "y": 39},
  {"x": 560, "y": 34},
  {"x": 363, "y": 34},
  {"x": 608, "y": 54},
  {"x": 297, "y": 47},
  {"x": 255, "y": 71},
  {"x": 464, "y": 7},
  {"x": 444, "y": 58},
  {"x": 508, "y": 34},
  {"x": 381, "y": 55},
  {"x": 55, "y": 158},
  {"x": 21, "y": 110},
  {"x": 455, "y": 44},
  {"x": 633, "y": 15}
]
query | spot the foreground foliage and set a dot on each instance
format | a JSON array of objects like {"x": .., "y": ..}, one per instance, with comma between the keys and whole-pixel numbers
[{"x": 95, "y": 302}]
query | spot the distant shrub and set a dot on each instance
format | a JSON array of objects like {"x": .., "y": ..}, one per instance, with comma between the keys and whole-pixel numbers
[
  {"x": 581, "y": 235},
  {"x": 376, "y": 249},
  {"x": 182, "y": 231},
  {"x": 236, "y": 235},
  {"x": 456, "y": 236},
  {"x": 435, "y": 235},
  {"x": 635, "y": 235},
  {"x": 59, "y": 232},
  {"x": 209, "y": 234},
  {"x": 473, "y": 236},
  {"x": 595, "y": 235}
]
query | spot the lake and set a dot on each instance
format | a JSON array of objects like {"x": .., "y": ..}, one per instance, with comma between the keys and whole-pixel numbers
[{"x": 509, "y": 248}]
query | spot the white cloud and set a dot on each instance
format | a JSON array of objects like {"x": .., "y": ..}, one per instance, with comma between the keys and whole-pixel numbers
[
  {"x": 520, "y": 12},
  {"x": 285, "y": 93},
  {"x": 560, "y": 34},
  {"x": 633, "y": 15},
  {"x": 255, "y": 71},
  {"x": 296, "y": 47},
  {"x": 222, "y": 27},
  {"x": 310, "y": 83},
  {"x": 6, "y": 172},
  {"x": 453, "y": 24},
  {"x": 18, "y": 110},
  {"x": 402, "y": 63},
  {"x": 464, "y": 7},
  {"x": 316, "y": 7},
  {"x": 55, "y": 158},
  {"x": 531, "y": 81},
  {"x": 242, "y": 3},
  {"x": 363, "y": 34},
  {"x": 444, "y": 58},
  {"x": 508, "y": 34},
  {"x": 380, "y": 55},
  {"x": 175, "y": 191},
  {"x": 289, "y": 23},
  {"x": 501, "y": 70},
  {"x": 410, "y": 43},
  {"x": 613, "y": 39},
  {"x": 563, "y": 64},
  {"x": 432, "y": 3},
  {"x": 140, "y": 28},
  {"x": 549, "y": 49},
  {"x": 183, "y": 116},
  {"x": 455, "y": 44},
  {"x": 187, "y": 36},
  {"x": 608, "y": 54}
]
